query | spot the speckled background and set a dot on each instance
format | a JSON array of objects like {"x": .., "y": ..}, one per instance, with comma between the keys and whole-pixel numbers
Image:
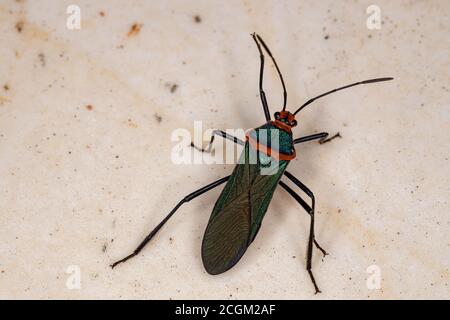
[{"x": 86, "y": 118}]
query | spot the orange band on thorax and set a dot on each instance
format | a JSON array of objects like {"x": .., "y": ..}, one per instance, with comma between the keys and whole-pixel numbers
[
  {"x": 281, "y": 125},
  {"x": 267, "y": 150}
]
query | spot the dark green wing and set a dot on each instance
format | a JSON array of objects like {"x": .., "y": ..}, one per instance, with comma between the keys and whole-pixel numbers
[{"x": 238, "y": 212}]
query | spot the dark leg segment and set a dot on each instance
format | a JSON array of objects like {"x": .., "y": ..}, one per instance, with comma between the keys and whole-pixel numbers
[
  {"x": 188, "y": 198},
  {"x": 311, "y": 229},
  {"x": 321, "y": 136},
  {"x": 305, "y": 206},
  {"x": 261, "y": 73},
  {"x": 221, "y": 133},
  {"x": 337, "y": 135}
]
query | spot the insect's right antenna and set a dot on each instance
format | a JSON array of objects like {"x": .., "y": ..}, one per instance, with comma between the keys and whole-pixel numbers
[
  {"x": 341, "y": 88},
  {"x": 278, "y": 69}
]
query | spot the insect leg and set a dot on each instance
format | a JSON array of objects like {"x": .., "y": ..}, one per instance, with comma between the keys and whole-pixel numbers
[
  {"x": 261, "y": 73},
  {"x": 221, "y": 133},
  {"x": 311, "y": 229},
  {"x": 321, "y": 136},
  {"x": 188, "y": 198},
  {"x": 305, "y": 206}
]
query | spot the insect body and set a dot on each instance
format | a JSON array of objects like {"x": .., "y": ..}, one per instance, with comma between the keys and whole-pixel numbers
[
  {"x": 238, "y": 213},
  {"x": 240, "y": 208}
]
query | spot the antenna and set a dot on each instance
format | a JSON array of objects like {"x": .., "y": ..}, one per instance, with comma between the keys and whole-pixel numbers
[
  {"x": 278, "y": 69},
  {"x": 341, "y": 88}
]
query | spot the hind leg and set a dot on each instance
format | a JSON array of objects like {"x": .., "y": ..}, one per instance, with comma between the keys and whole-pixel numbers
[{"x": 311, "y": 229}]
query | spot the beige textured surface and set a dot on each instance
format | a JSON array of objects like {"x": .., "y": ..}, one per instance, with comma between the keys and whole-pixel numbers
[{"x": 81, "y": 186}]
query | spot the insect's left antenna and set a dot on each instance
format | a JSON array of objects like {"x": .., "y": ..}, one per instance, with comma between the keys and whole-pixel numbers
[
  {"x": 341, "y": 88},
  {"x": 278, "y": 69}
]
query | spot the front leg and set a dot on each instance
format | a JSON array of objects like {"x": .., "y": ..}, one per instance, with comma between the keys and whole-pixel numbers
[
  {"x": 221, "y": 133},
  {"x": 321, "y": 136}
]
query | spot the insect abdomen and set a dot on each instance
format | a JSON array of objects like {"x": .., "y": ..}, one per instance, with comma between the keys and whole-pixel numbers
[{"x": 238, "y": 212}]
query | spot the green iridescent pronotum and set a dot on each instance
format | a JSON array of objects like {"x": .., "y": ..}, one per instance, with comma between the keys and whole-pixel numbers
[{"x": 242, "y": 205}]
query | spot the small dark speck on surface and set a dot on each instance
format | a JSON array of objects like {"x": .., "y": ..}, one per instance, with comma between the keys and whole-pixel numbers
[
  {"x": 19, "y": 26},
  {"x": 89, "y": 107},
  {"x": 197, "y": 19},
  {"x": 101, "y": 13},
  {"x": 326, "y": 37},
  {"x": 135, "y": 29},
  {"x": 104, "y": 247},
  {"x": 117, "y": 156},
  {"x": 41, "y": 57},
  {"x": 158, "y": 118},
  {"x": 173, "y": 88},
  {"x": 6, "y": 87}
]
